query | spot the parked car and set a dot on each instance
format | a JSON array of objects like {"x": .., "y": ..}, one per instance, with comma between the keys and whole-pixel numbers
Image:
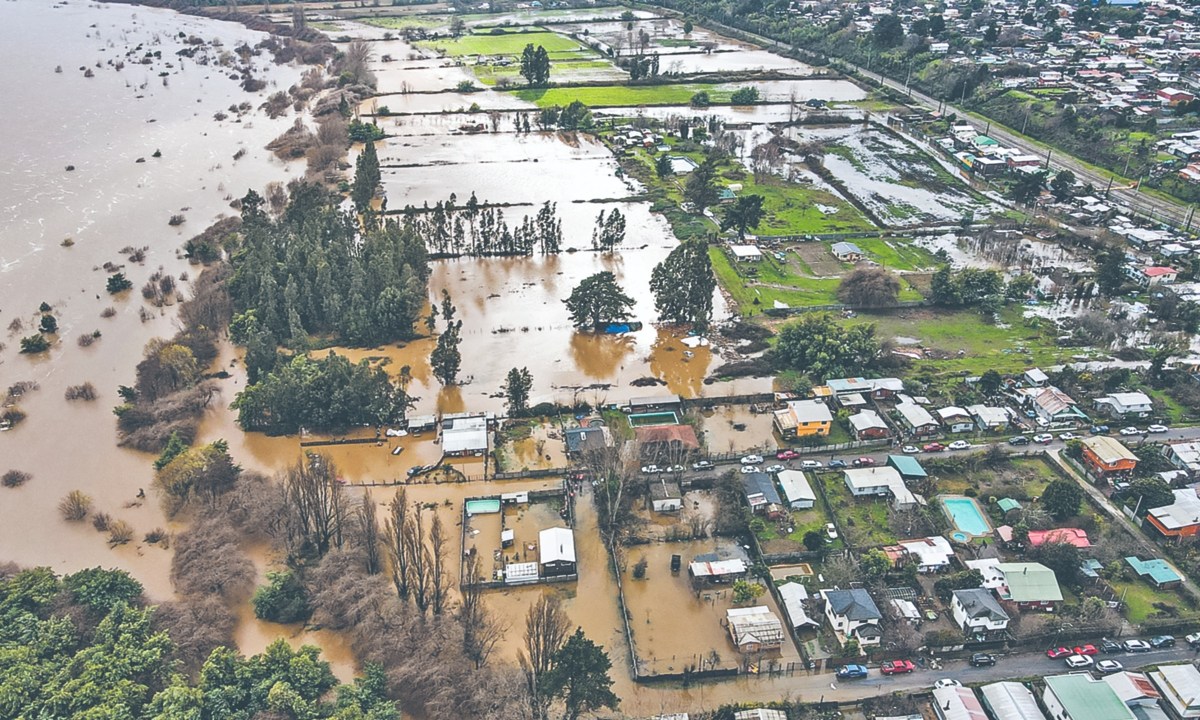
[
  {"x": 752, "y": 460},
  {"x": 747, "y": 469},
  {"x": 982, "y": 659},
  {"x": 1099, "y": 429},
  {"x": 1193, "y": 639},
  {"x": 1079, "y": 661},
  {"x": 1043, "y": 438},
  {"x": 703, "y": 465},
  {"x": 863, "y": 462},
  {"x": 414, "y": 471},
  {"x": 776, "y": 468},
  {"x": 947, "y": 682},
  {"x": 1137, "y": 646},
  {"x": 651, "y": 469},
  {"x": 1111, "y": 646},
  {"x": 1161, "y": 642},
  {"x": 934, "y": 447},
  {"x": 1088, "y": 649},
  {"x": 836, "y": 464},
  {"x": 1055, "y": 653},
  {"x": 1018, "y": 440},
  {"x": 852, "y": 672},
  {"x": 811, "y": 464},
  {"x": 1068, "y": 436},
  {"x": 960, "y": 445},
  {"x": 831, "y": 531},
  {"x": 1156, "y": 429},
  {"x": 674, "y": 469},
  {"x": 910, "y": 449},
  {"x": 1108, "y": 667},
  {"x": 1131, "y": 430},
  {"x": 897, "y": 667},
  {"x": 787, "y": 455}
]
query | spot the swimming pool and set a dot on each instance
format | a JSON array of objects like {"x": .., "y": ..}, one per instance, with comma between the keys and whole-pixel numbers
[
  {"x": 482, "y": 506},
  {"x": 966, "y": 515},
  {"x": 655, "y": 418}
]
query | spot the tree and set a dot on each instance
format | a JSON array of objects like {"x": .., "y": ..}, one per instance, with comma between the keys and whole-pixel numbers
[
  {"x": 1063, "y": 185},
  {"x": 869, "y": 287},
  {"x": 1110, "y": 273},
  {"x": 516, "y": 390},
  {"x": 49, "y": 324},
  {"x": 579, "y": 677},
  {"x": 481, "y": 629},
  {"x": 701, "y": 186},
  {"x": 446, "y": 359},
  {"x": 366, "y": 178},
  {"x": 101, "y": 589},
  {"x": 1149, "y": 493},
  {"x": 888, "y": 32},
  {"x": 117, "y": 283},
  {"x": 744, "y": 214},
  {"x": 683, "y": 285},
  {"x": 819, "y": 347},
  {"x": 744, "y": 96},
  {"x": 1027, "y": 187},
  {"x": 609, "y": 231},
  {"x": 745, "y": 591},
  {"x": 535, "y": 65},
  {"x": 315, "y": 505},
  {"x": 34, "y": 344},
  {"x": 990, "y": 382},
  {"x": 1061, "y": 557},
  {"x": 687, "y": 27},
  {"x": 874, "y": 563},
  {"x": 1062, "y": 498},
  {"x": 282, "y": 600},
  {"x": 546, "y": 628},
  {"x": 663, "y": 167},
  {"x": 598, "y": 300},
  {"x": 576, "y": 116},
  {"x": 814, "y": 541},
  {"x": 700, "y": 99}
]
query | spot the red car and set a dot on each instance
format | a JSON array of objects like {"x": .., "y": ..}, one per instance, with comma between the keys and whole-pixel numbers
[
  {"x": 1088, "y": 649},
  {"x": 864, "y": 462},
  {"x": 1059, "y": 652},
  {"x": 787, "y": 455},
  {"x": 934, "y": 447},
  {"x": 896, "y": 667}
]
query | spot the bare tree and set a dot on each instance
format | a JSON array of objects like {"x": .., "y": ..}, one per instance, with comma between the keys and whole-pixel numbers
[
  {"x": 481, "y": 628},
  {"x": 315, "y": 503},
  {"x": 367, "y": 518},
  {"x": 419, "y": 561},
  {"x": 439, "y": 575},
  {"x": 546, "y": 628},
  {"x": 395, "y": 528}
]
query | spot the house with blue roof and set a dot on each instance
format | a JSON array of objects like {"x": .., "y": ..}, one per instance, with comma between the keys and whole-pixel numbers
[
  {"x": 1157, "y": 572},
  {"x": 909, "y": 467}
]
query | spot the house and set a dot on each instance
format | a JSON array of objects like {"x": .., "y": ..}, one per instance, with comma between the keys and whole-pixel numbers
[
  {"x": 1174, "y": 96},
  {"x": 1130, "y": 404},
  {"x": 464, "y": 435},
  {"x": 1054, "y": 407},
  {"x": 1010, "y": 701},
  {"x": 988, "y": 418},
  {"x": 957, "y": 703},
  {"x": 556, "y": 552},
  {"x": 1070, "y": 536},
  {"x": 754, "y": 629},
  {"x": 1184, "y": 456},
  {"x": 1133, "y": 687},
  {"x": 654, "y": 403},
  {"x": 583, "y": 440},
  {"x": 667, "y": 442},
  {"x": 708, "y": 570},
  {"x": 421, "y": 423},
  {"x": 1179, "y": 519},
  {"x": 909, "y": 467},
  {"x": 746, "y": 253},
  {"x": 1107, "y": 456},
  {"x": 880, "y": 481},
  {"x": 1030, "y": 586},
  {"x": 956, "y": 419},
  {"x": 793, "y": 595},
  {"x": 796, "y": 489},
  {"x": 932, "y": 554},
  {"x": 1180, "y": 688},
  {"x": 867, "y": 425},
  {"x": 852, "y": 401},
  {"x": 853, "y": 615},
  {"x": 989, "y": 570},
  {"x": 917, "y": 420},
  {"x": 803, "y": 418},
  {"x": 664, "y": 496},
  {"x": 1035, "y": 377},
  {"x": 1079, "y": 696},
  {"x": 847, "y": 252},
  {"x": 1157, "y": 572},
  {"x": 878, "y": 388},
  {"x": 978, "y": 612},
  {"x": 1157, "y": 275},
  {"x": 906, "y": 610}
]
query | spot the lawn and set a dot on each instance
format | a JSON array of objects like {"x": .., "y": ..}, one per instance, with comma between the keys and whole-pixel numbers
[
  {"x": 1140, "y": 598},
  {"x": 620, "y": 95},
  {"x": 863, "y": 520},
  {"x": 560, "y": 70},
  {"x": 407, "y": 21},
  {"x": 503, "y": 44},
  {"x": 794, "y": 209},
  {"x": 897, "y": 254}
]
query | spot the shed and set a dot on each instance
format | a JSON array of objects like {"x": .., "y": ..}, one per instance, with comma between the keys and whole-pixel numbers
[
  {"x": 793, "y": 595},
  {"x": 465, "y": 436},
  {"x": 1010, "y": 701},
  {"x": 1155, "y": 571},
  {"x": 520, "y": 573},
  {"x": 1008, "y": 504},
  {"x": 908, "y": 466},
  {"x": 754, "y": 628},
  {"x": 746, "y": 253},
  {"x": 556, "y": 547},
  {"x": 665, "y": 496}
]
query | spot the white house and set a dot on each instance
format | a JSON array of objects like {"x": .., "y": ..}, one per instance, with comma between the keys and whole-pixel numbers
[
  {"x": 746, "y": 253},
  {"x": 1185, "y": 456},
  {"x": 978, "y": 612},
  {"x": 793, "y": 595},
  {"x": 988, "y": 418},
  {"x": 665, "y": 497},
  {"x": 1035, "y": 377},
  {"x": 867, "y": 425},
  {"x": 796, "y": 489},
  {"x": 1180, "y": 687},
  {"x": 933, "y": 554},
  {"x": 1128, "y": 404},
  {"x": 956, "y": 419},
  {"x": 556, "y": 554},
  {"x": 917, "y": 419},
  {"x": 884, "y": 480},
  {"x": 853, "y": 615}
]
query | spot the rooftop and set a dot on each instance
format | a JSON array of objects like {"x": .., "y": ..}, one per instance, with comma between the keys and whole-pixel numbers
[
  {"x": 1011, "y": 701},
  {"x": 907, "y": 465},
  {"x": 979, "y": 603},
  {"x": 1184, "y": 512},
  {"x": 1156, "y": 569},
  {"x": 1108, "y": 450},
  {"x": 853, "y": 604},
  {"x": 1082, "y": 696},
  {"x": 1071, "y": 536},
  {"x": 1029, "y": 582}
]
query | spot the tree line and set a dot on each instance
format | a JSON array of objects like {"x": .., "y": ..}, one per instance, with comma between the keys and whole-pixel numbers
[{"x": 478, "y": 230}]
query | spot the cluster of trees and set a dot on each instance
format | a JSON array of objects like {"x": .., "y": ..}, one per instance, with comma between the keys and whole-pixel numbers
[
  {"x": 366, "y": 178},
  {"x": 967, "y": 287},
  {"x": 869, "y": 287},
  {"x": 820, "y": 347},
  {"x": 744, "y": 214},
  {"x": 535, "y": 65},
  {"x": 609, "y": 231},
  {"x": 311, "y": 272},
  {"x": 598, "y": 300},
  {"x": 445, "y": 360},
  {"x": 641, "y": 67},
  {"x": 683, "y": 285},
  {"x": 575, "y": 116},
  {"x": 475, "y": 229}
]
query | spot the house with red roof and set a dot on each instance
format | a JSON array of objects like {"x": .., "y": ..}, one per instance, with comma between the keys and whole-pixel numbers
[
  {"x": 1159, "y": 275},
  {"x": 1073, "y": 536}
]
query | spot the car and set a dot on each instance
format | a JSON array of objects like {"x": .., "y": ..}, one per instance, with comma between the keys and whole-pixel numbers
[
  {"x": 1088, "y": 649},
  {"x": 747, "y": 469},
  {"x": 836, "y": 464},
  {"x": 946, "y": 682},
  {"x": 1068, "y": 436},
  {"x": 1055, "y": 653},
  {"x": 852, "y": 672},
  {"x": 1193, "y": 639},
  {"x": 1137, "y": 646},
  {"x": 776, "y": 468},
  {"x": 674, "y": 469},
  {"x": 1018, "y": 440},
  {"x": 931, "y": 615},
  {"x": 752, "y": 460},
  {"x": 1030, "y": 414},
  {"x": 651, "y": 469},
  {"x": 1161, "y": 642},
  {"x": 897, "y": 667},
  {"x": 1099, "y": 429},
  {"x": 910, "y": 449},
  {"x": 703, "y": 465},
  {"x": 1131, "y": 430},
  {"x": 787, "y": 455},
  {"x": 1111, "y": 646},
  {"x": 1156, "y": 429},
  {"x": 934, "y": 447},
  {"x": 960, "y": 445},
  {"x": 863, "y": 462},
  {"x": 831, "y": 531},
  {"x": 414, "y": 471},
  {"x": 1079, "y": 661},
  {"x": 1043, "y": 438},
  {"x": 982, "y": 659},
  {"x": 1108, "y": 667},
  {"x": 810, "y": 464}
]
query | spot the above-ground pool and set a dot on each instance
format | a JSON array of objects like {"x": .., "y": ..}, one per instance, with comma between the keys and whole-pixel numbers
[
  {"x": 655, "y": 418},
  {"x": 482, "y": 506},
  {"x": 967, "y": 517}
]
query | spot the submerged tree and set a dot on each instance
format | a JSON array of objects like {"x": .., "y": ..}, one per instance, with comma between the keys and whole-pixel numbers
[
  {"x": 609, "y": 231},
  {"x": 683, "y": 285},
  {"x": 516, "y": 390},
  {"x": 598, "y": 300},
  {"x": 366, "y": 178}
]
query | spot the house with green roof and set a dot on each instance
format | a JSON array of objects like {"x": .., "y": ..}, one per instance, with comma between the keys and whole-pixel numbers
[
  {"x": 908, "y": 466},
  {"x": 1008, "y": 504},
  {"x": 1156, "y": 572},
  {"x": 1029, "y": 586},
  {"x": 1083, "y": 697}
]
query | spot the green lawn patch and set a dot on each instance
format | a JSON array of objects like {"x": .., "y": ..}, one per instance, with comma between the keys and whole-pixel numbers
[
  {"x": 561, "y": 70},
  {"x": 863, "y": 520},
  {"x": 620, "y": 95},
  {"x": 503, "y": 44},
  {"x": 897, "y": 254},
  {"x": 1139, "y": 599},
  {"x": 406, "y": 21}
]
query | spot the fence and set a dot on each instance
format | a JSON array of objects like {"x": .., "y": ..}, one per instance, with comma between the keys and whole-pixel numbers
[{"x": 839, "y": 307}]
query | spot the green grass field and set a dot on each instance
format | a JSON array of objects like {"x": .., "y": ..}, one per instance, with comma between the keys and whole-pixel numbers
[
  {"x": 620, "y": 95},
  {"x": 863, "y": 521},
  {"x": 511, "y": 44},
  {"x": 1140, "y": 598},
  {"x": 897, "y": 254},
  {"x": 566, "y": 70},
  {"x": 407, "y": 21}
]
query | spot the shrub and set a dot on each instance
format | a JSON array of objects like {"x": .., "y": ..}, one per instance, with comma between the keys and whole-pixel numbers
[
  {"x": 49, "y": 324},
  {"x": 117, "y": 282},
  {"x": 176, "y": 220},
  {"x": 75, "y": 506},
  {"x": 14, "y": 478},
  {"x": 155, "y": 536},
  {"x": 101, "y": 521},
  {"x": 86, "y": 391},
  {"x": 744, "y": 96},
  {"x": 119, "y": 532},
  {"x": 34, "y": 344},
  {"x": 282, "y": 600},
  {"x": 639, "y": 569},
  {"x": 108, "y": 312}
]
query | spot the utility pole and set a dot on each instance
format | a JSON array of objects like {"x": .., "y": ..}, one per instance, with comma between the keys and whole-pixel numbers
[
  {"x": 1026, "y": 122},
  {"x": 1110, "y": 182}
]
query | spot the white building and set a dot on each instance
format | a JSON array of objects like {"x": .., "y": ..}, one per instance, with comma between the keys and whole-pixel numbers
[
  {"x": 746, "y": 253},
  {"x": 796, "y": 489},
  {"x": 933, "y": 554},
  {"x": 1010, "y": 701},
  {"x": 1180, "y": 688},
  {"x": 988, "y": 418},
  {"x": 853, "y": 615},
  {"x": 978, "y": 612},
  {"x": 884, "y": 480},
  {"x": 1130, "y": 404},
  {"x": 793, "y": 595},
  {"x": 957, "y": 703},
  {"x": 956, "y": 419},
  {"x": 464, "y": 435},
  {"x": 754, "y": 628}
]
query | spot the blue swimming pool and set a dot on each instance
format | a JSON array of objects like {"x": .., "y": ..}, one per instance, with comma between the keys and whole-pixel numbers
[{"x": 966, "y": 515}]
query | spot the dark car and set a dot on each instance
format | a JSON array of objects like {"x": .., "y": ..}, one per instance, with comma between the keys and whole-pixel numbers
[
  {"x": 1160, "y": 642},
  {"x": 1098, "y": 429},
  {"x": 982, "y": 659},
  {"x": 836, "y": 464},
  {"x": 1018, "y": 440},
  {"x": 852, "y": 672},
  {"x": 414, "y": 471},
  {"x": 1110, "y": 646}
]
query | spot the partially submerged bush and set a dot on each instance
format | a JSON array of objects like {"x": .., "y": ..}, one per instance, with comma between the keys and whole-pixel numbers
[
  {"x": 75, "y": 506},
  {"x": 14, "y": 478},
  {"x": 101, "y": 521},
  {"x": 86, "y": 391},
  {"x": 119, "y": 533}
]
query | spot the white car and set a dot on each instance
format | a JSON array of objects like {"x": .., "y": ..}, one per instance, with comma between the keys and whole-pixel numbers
[
  {"x": 960, "y": 445},
  {"x": 703, "y": 465},
  {"x": 1043, "y": 438},
  {"x": 910, "y": 449},
  {"x": 674, "y": 469},
  {"x": 1130, "y": 431},
  {"x": 651, "y": 469},
  {"x": 1137, "y": 646},
  {"x": 1157, "y": 429},
  {"x": 1108, "y": 667},
  {"x": 947, "y": 682},
  {"x": 776, "y": 468},
  {"x": 752, "y": 459},
  {"x": 811, "y": 464},
  {"x": 1079, "y": 661},
  {"x": 831, "y": 531},
  {"x": 1068, "y": 436},
  {"x": 747, "y": 469}
]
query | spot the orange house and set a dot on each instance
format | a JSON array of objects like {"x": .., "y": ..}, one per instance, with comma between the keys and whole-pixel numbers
[
  {"x": 1179, "y": 519},
  {"x": 1106, "y": 456}
]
